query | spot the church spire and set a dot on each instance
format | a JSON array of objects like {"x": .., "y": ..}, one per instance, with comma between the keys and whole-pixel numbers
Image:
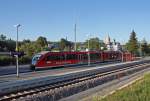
[{"x": 107, "y": 39}]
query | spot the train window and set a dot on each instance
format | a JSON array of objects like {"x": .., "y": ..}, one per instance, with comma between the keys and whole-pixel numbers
[
  {"x": 75, "y": 56},
  {"x": 68, "y": 56},
  {"x": 94, "y": 56},
  {"x": 36, "y": 57},
  {"x": 53, "y": 57},
  {"x": 57, "y": 57},
  {"x": 62, "y": 57},
  {"x": 48, "y": 58},
  {"x": 71, "y": 56},
  {"x": 85, "y": 56}
]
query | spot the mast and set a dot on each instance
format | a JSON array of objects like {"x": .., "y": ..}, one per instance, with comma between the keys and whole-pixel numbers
[{"x": 75, "y": 44}]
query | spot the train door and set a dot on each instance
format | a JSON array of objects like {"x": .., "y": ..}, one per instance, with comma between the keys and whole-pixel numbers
[
  {"x": 105, "y": 56},
  {"x": 80, "y": 59},
  {"x": 102, "y": 56}
]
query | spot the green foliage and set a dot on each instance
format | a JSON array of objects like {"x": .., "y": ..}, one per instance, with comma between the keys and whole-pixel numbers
[
  {"x": 65, "y": 45},
  {"x": 2, "y": 37},
  {"x": 28, "y": 48},
  {"x": 7, "y": 60},
  {"x": 144, "y": 47},
  {"x": 132, "y": 44},
  {"x": 31, "y": 48},
  {"x": 26, "y": 41},
  {"x": 41, "y": 41},
  {"x": 11, "y": 45},
  {"x": 6, "y": 44},
  {"x": 148, "y": 50},
  {"x": 140, "y": 91},
  {"x": 25, "y": 60},
  {"x": 139, "y": 49},
  {"x": 94, "y": 44}
]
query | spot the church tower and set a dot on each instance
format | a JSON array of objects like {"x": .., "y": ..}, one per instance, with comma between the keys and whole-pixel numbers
[{"x": 107, "y": 40}]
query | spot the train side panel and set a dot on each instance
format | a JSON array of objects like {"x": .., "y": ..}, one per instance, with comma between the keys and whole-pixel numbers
[
  {"x": 56, "y": 59},
  {"x": 127, "y": 56}
]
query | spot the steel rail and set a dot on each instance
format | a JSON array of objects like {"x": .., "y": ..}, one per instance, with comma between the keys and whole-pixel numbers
[{"x": 69, "y": 82}]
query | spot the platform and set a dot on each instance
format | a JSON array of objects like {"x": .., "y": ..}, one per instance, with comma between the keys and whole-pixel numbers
[
  {"x": 9, "y": 83},
  {"x": 52, "y": 72}
]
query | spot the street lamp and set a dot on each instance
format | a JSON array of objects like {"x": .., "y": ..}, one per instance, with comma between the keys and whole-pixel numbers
[
  {"x": 141, "y": 49},
  {"x": 17, "y": 26}
]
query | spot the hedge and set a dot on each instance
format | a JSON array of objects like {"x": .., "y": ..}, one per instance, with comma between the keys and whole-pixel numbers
[{"x": 7, "y": 60}]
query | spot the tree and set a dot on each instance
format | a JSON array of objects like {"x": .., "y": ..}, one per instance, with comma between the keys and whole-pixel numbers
[
  {"x": 65, "y": 45},
  {"x": 2, "y": 37},
  {"x": 26, "y": 41},
  {"x": 148, "y": 53},
  {"x": 41, "y": 41},
  {"x": 6, "y": 44},
  {"x": 144, "y": 47},
  {"x": 132, "y": 44},
  {"x": 102, "y": 45},
  {"x": 29, "y": 48},
  {"x": 94, "y": 43},
  {"x": 2, "y": 42},
  {"x": 11, "y": 45}
]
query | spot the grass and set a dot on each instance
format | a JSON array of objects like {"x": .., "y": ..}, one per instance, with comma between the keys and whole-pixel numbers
[{"x": 139, "y": 91}]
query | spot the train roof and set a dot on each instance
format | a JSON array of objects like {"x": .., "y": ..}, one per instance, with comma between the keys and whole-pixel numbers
[
  {"x": 44, "y": 52},
  {"x": 75, "y": 52}
]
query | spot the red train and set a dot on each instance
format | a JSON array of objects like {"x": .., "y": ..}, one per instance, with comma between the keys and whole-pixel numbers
[{"x": 48, "y": 59}]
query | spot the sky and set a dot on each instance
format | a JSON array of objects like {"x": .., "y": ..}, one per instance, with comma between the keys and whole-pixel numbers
[{"x": 55, "y": 19}]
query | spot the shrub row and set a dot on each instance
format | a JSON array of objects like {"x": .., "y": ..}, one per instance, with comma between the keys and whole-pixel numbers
[{"x": 7, "y": 60}]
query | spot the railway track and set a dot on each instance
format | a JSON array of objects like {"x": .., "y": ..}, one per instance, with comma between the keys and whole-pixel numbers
[{"x": 104, "y": 77}]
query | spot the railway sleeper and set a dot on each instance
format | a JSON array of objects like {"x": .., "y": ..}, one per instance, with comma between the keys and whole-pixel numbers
[
  {"x": 82, "y": 86},
  {"x": 93, "y": 83}
]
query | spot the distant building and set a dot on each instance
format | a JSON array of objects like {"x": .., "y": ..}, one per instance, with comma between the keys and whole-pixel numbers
[
  {"x": 117, "y": 46},
  {"x": 107, "y": 40},
  {"x": 108, "y": 43},
  {"x": 112, "y": 46}
]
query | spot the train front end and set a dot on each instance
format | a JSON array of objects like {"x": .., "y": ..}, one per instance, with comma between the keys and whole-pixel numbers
[
  {"x": 35, "y": 60},
  {"x": 38, "y": 60}
]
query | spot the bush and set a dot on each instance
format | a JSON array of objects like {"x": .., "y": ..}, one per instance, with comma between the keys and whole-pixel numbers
[
  {"x": 7, "y": 60},
  {"x": 25, "y": 60}
]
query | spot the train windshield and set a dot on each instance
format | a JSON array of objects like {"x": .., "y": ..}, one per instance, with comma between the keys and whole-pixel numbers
[{"x": 36, "y": 58}]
